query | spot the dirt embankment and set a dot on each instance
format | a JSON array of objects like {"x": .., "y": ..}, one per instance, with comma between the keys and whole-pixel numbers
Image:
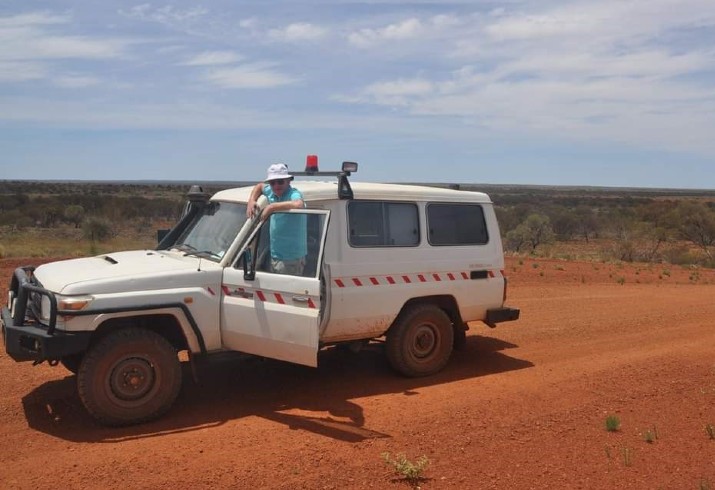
[{"x": 522, "y": 406}]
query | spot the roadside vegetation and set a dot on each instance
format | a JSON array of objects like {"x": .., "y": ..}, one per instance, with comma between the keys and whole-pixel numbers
[{"x": 46, "y": 219}]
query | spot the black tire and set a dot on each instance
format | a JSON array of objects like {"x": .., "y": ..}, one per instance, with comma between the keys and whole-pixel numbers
[
  {"x": 72, "y": 362},
  {"x": 420, "y": 342},
  {"x": 130, "y": 376}
]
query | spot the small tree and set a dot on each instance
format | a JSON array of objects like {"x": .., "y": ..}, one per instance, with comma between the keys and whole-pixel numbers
[
  {"x": 74, "y": 213},
  {"x": 535, "y": 230},
  {"x": 564, "y": 222},
  {"x": 588, "y": 223},
  {"x": 695, "y": 222},
  {"x": 96, "y": 229}
]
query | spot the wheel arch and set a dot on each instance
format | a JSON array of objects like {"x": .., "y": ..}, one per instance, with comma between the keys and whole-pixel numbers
[
  {"x": 445, "y": 302},
  {"x": 165, "y": 324}
]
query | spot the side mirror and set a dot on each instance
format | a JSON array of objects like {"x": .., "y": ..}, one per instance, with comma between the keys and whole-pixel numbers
[{"x": 161, "y": 234}]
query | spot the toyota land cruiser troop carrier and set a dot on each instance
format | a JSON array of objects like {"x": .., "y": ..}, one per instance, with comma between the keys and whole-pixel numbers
[{"x": 411, "y": 264}]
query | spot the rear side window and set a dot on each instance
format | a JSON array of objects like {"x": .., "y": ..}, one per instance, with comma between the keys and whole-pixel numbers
[
  {"x": 383, "y": 224},
  {"x": 456, "y": 224}
]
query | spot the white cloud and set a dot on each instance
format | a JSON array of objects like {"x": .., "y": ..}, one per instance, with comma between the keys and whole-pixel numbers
[
  {"x": 607, "y": 69},
  {"x": 300, "y": 31},
  {"x": 599, "y": 21},
  {"x": 33, "y": 18},
  {"x": 21, "y": 71},
  {"x": 75, "y": 81},
  {"x": 213, "y": 58},
  {"x": 166, "y": 14},
  {"x": 25, "y": 37},
  {"x": 445, "y": 20},
  {"x": 532, "y": 26},
  {"x": 600, "y": 70},
  {"x": 248, "y": 76},
  {"x": 398, "y": 92},
  {"x": 368, "y": 37},
  {"x": 249, "y": 23},
  {"x": 580, "y": 65}
]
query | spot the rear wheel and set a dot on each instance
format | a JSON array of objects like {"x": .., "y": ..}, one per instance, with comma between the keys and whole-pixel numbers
[
  {"x": 420, "y": 342},
  {"x": 130, "y": 376}
]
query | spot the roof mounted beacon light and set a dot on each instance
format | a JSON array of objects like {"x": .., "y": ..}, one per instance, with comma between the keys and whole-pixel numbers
[
  {"x": 311, "y": 164},
  {"x": 344, "y": 189}
]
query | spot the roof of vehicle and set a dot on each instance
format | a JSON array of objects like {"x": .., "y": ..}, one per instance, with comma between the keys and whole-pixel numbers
[{"x": 325, "y": 191}]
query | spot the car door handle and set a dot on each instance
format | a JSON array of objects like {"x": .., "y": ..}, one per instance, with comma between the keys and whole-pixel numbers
[{"x": 301, "y": 299}]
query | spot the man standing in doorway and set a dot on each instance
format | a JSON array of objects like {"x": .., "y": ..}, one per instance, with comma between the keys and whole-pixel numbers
[{"x": 288, "y": 231}]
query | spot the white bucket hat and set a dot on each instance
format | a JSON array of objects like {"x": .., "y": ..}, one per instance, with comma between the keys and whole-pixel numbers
[{"x": 278, "y": 171}]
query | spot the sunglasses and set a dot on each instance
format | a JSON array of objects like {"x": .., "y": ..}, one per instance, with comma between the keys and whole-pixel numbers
[{"x": 277, "y": 182}]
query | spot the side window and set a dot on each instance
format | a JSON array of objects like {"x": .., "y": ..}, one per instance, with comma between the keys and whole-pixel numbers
[
  {"x": 290, "y": 244},
  {"x": 383, "y": 224},
  {"x": 456, "y": 224}
]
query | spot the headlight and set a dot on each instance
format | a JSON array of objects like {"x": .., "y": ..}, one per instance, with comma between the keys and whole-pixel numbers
[
  {"x": 71, "y": 303},
  {"x": 44, "y": 308}
]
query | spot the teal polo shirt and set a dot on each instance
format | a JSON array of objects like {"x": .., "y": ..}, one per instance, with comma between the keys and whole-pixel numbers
[{"x": 289, "y": 232}]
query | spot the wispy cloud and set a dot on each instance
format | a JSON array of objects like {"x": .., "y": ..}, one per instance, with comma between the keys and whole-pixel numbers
[
  {"x": 30, "y": 37},
  {"x": 401, "y": 92},
  {"x": 368, "y": 37},
  {"x": 166, "y": 14},
  {"x": 20, "y": 71},
  {"x": 300, "y": 31},
  {"x": 637, "y": 73},
  {"x": 75, "y": 81},
  {"x": 582, "y": 70},
  {"x": 248, "y": 76},
  {"x": 213, "y": 58}
]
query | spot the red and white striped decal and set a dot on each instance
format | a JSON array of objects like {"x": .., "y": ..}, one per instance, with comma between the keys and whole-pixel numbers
[
  {"x": 397, "y": 279},
  {"x": 260, "y": 295}
]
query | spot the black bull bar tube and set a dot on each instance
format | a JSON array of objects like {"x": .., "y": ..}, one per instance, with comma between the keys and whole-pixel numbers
[{"x": 26, "y": 338}]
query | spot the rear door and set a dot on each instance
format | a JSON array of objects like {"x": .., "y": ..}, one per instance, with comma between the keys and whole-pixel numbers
[{"x": 275, "y": 315}]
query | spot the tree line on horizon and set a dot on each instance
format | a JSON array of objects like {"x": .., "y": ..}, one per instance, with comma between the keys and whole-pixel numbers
[{"x": 644, "y": 227}]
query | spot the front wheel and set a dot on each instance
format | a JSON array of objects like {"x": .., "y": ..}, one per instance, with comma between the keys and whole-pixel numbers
[
  {"x": 420, "y": 342},
  {"x": 130, "y": 376}
]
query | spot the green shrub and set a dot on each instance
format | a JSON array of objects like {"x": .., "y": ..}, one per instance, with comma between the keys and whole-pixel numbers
[
  {"x": 651, "y": 435},
  {"x": 97, "y": 229},
  {"x": 613, "y": 423},
  {"x": 412, "y": 472}
]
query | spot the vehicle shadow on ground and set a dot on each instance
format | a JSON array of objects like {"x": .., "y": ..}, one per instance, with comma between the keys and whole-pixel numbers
[{"x": 236, "y": 387}]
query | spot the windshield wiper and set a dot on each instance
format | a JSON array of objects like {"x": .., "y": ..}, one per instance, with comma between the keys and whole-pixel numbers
[
  {"x": 202, "y": 253},
  {"x": 184, "y": 247}
]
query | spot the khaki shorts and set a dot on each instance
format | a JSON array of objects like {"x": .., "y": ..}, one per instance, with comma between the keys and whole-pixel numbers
[{"x": 290, "y": 267}]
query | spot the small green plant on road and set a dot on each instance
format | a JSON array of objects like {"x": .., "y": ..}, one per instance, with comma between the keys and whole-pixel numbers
[
  {"x": 651, "y": 435},
  {"x": 710, "y": 430},
  {"x": 613, "y": 423},
  {"x": 627, "y": 456},
  {"x": 406, "y": 469}
]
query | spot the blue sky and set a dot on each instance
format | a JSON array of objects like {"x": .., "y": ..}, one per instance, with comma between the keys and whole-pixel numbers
[{"x": 594, "y": 92}]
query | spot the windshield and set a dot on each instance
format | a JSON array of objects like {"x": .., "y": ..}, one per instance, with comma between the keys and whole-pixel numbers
[{"x": 213, "y": 230}]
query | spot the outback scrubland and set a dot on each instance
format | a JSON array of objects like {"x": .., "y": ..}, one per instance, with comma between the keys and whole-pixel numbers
[{"x": 44, "y": 219}]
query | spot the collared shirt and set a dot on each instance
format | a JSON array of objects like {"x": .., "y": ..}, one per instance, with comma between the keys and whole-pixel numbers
[{"x": 288, "y": 231}]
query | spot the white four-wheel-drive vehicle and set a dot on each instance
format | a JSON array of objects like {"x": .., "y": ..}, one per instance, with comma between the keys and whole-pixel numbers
[{"x": 408, "y": 263}]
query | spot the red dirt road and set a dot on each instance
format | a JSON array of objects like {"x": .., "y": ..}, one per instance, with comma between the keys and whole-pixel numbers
[{"x": 522, "y": 406}]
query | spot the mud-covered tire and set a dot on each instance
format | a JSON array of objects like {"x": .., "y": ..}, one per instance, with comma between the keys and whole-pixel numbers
[
  {"x": 130, "y": 376},
  {"x": 72, "y": 362},
  {"x": 420, "y": 342}
]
